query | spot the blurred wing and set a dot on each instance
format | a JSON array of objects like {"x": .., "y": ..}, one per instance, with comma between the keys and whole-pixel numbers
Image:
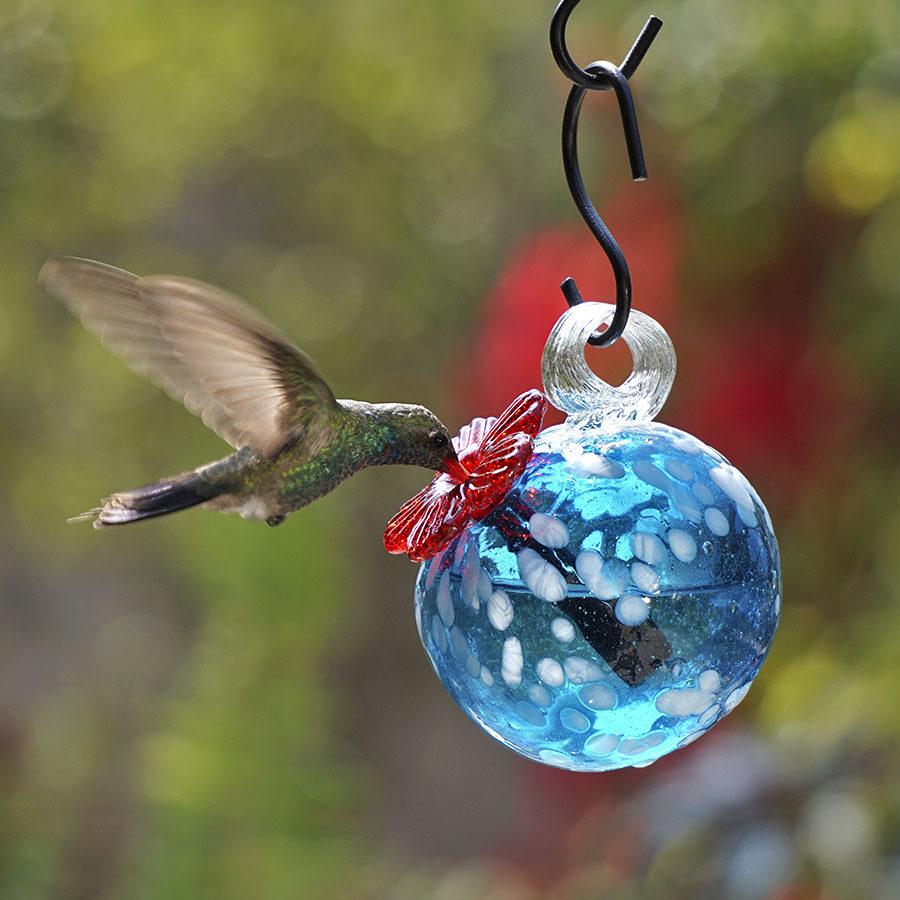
[{"x": 204, "y": 347}]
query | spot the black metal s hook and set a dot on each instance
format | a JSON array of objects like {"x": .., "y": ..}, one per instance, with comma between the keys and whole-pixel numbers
[{"x": 600, "y": 76}]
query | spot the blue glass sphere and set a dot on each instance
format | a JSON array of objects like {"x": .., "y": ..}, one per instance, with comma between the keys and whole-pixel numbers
[{"x": 614, "y": 607}]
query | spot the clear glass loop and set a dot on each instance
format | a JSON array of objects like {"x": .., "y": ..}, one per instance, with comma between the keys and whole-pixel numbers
[{"x": 573, "y": 388}]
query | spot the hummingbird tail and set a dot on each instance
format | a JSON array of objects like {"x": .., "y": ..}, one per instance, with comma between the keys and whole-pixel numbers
[{"x": 166, "y": 496}]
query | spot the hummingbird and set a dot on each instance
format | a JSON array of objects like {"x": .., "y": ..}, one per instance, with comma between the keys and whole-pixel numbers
[{"x": 293, "y": 441}]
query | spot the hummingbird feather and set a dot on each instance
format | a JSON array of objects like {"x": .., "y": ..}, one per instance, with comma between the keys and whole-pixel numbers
[
  {"x": 206, "y": 349},
  {"x": 294, "y": 441}
]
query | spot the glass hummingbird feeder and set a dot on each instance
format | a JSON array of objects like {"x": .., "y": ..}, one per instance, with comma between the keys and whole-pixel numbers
[{"x": 599, "y": 593}]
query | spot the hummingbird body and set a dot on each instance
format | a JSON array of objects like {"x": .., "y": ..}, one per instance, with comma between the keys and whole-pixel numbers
[{"x": 295, "y": 442}]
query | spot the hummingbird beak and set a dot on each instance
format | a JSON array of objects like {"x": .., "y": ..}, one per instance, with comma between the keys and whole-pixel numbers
[{"x": 454, "y": 468}]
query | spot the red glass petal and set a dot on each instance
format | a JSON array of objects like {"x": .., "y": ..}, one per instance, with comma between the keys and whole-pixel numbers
[
  {"x": 405, "y": 519},
  {"x": 495, "y": 452},
  {"x": 525, "y": 413},
  {"x": 431, "y": 519},
  {"x": 472, "y": 435},
  {"x": 492, "y": 479},
  {"x": 428, "y": 522},
  {"x": 443, "y": 520},
  {"x": 470, "y": 439}
]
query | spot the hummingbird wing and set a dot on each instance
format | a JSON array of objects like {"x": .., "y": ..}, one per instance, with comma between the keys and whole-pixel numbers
[{"x": 205, "y": 348}]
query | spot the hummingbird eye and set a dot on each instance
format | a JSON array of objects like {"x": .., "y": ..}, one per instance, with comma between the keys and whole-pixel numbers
[{"x": 438, "y": 440}]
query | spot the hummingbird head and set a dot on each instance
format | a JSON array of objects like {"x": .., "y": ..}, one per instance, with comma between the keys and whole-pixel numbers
[
  {"x": 414, "y": 436},
  {"x": 442, "y": 454}
]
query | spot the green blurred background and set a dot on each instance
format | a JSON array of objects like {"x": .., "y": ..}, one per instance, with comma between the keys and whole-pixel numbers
[{"x": 202, "y": 707}]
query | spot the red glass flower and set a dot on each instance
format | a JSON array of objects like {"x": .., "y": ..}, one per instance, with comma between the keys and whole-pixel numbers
[{"x": 493, "y": 452}]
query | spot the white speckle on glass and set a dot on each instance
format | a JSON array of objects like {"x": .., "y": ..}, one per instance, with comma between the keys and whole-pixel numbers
[
  {"x": 473, "y": 667},
  {"x": 581, "y": 671},
  {"x": 584, "y": 463},
  {"x": 550, "y": 672},
  {"x": 444, "y": 600},
  {"x": 733, "y": 484},
  {"x": 433, "y": 568},
  {"x": 652, "y": 475},
  {"x": 562, "y": 629},
  {"x": 548, "y": 530},
  {"x": 716, "y": 521},
  {"x": 768, "y": 519},
  {"x": 735, "y": 697},
  {"x": 684, "y": 503},
  {"x": 486, "y": 676},
  {"x": 598, "y": 696},
  {"x": 438, "y": 635},
  {"x": 459, "y": 551},
  {"x": 539, "y": 695},
  {"x": 710, "y": 680},
  {"x": 644, "y": 577},
  {"x": 691, "y": 738},
  {"x": 679, "y": 470},
  {"x": 649, "y": 548},
  {"x": 709, "y": 717},
  {"x": 634, "y": 746},
  {"x": 574, "y": 720},
  {"x": 542, "y": 579},
  {"x": 604, "y": 578},
  {"x": 483, "y": 587},
  {"x": 748, "y": 516},
  {"x": 458, "y": 642},
  {"x": 684, "y": 547},
  {"x": 681, "y": 702},
  {"x": 511, "y": 662},
  {"x": 529, "y": 713},
  {"x": 601, "y": 744},
  {"x": 594, "y": 464},
  {"x": 555, "y": 758},
  {"x": 632, "y": 609},
  {"x": 470, "y": 572},
  {"x": 688, "y": 444},
  {"x": 703, "y": 493},
  {"x": 588, "y": 565},
  {"x": 500, "y": 610}
]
